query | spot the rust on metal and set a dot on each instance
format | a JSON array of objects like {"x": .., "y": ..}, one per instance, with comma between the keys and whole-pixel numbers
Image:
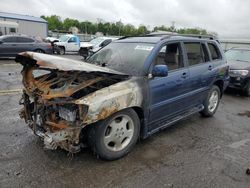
[{"x": 62, "y": 96}]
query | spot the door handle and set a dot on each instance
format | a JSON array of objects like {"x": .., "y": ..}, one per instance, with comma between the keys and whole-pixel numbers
[
  {"x": 184, "y": 75},
  {"x": 210, "y": 67}
]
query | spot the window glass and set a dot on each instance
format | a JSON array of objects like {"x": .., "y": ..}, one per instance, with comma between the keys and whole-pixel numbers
[
  {"x": 25, "y": 40},
  {"x": 196, "y": 53},
  {"x": 10, "y": 39},
  {"x": 214, "y": 51},
  {"x": 238, "y": 55},
  {"x": 128, "y": 58},
  {"x": 171, "y": 56},
  {"x": 12, "y": 30},
  {"x": 72, "y": 39}
]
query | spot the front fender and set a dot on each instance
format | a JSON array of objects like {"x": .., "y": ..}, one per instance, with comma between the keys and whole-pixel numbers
[{"x": 105, "y": 102}]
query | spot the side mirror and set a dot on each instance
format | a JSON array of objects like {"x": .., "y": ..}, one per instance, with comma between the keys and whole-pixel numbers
[{"x": 160, "y": 71}]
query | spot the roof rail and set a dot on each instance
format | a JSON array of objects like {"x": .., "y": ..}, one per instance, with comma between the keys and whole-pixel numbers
[
  {"x": 166, "y": 36},
  {"x": 211, "y": 37}
]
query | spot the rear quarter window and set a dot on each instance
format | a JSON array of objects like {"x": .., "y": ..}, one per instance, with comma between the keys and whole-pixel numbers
[
  {"x": 25, "y": 40},
  {"x": 214, "y": 51}
]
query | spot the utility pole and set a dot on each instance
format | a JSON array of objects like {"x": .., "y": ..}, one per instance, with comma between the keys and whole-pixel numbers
[
  {"x": 173, "y": 26},
  {"x": 120, "y": 27}
]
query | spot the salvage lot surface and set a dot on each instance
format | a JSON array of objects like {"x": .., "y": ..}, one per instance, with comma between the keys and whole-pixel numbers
[{"x": 196, "y": 152}]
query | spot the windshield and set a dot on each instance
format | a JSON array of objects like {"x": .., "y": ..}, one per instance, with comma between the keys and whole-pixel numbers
[
  {"x": 238, "y": 55},
  {"x": 96, "y": 41},
  {"x": 63, "y": 38},
  {"x": 128, "y": 58}
]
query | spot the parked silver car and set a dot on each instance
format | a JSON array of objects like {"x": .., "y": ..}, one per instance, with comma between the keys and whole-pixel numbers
[{"x": 11, "y": 45}]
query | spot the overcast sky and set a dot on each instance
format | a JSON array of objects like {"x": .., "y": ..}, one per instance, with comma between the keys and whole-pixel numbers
[{"x": 229, "y": 18}]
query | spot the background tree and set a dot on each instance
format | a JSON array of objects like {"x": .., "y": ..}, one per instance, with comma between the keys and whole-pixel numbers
[
  {"x": 54, "y": 22},
  {"x": 114, "y": 28}
]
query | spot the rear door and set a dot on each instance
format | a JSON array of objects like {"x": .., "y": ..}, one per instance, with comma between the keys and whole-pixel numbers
[
  {"x": 167, "y": 94},
  {"x": 25, "y": 44},
  {"x": 201, "y": 71}
]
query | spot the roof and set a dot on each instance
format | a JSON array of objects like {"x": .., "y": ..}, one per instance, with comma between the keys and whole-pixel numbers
[
  {"x": 21, "y": 17},
  {"x": 156, "y": 38}
]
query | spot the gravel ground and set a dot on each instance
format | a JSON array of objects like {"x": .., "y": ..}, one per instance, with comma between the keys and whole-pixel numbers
[{"x": 196, "y": 152}]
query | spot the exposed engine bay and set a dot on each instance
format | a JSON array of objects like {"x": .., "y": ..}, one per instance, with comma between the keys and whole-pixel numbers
[{"x": 50, "y": 96}]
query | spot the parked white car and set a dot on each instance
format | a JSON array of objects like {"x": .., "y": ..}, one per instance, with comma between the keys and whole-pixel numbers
[
  {"x": 87, "y": 48},
  {"x": 67, "y": 43}
]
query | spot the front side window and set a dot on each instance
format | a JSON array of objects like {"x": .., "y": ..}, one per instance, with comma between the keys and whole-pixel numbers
[
  {"x": 196, "y": 53},
  {"x": 72, "y": 39},
  {"x": 171, "y": 56}
]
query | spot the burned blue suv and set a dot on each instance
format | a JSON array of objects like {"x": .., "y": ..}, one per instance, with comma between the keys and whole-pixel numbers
[{"x": 128, "y": 90}]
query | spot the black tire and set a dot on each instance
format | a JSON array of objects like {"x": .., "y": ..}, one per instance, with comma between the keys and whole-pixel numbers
[
  {"x": 61, "y": 50},
  {"x": 39, "y": 51},
  {"x": 83, "y": 52},
  {"x": 247, "y": 89},
  {"x": 207, "y": 111},
  {"x": 97, "y": 135}
]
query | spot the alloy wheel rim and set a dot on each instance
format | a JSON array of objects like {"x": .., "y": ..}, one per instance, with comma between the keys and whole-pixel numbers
[
  {"x": 119, "y": 133},
  {"x": 213, "y": 101}
]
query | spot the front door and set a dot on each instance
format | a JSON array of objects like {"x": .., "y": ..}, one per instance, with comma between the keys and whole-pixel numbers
[
  {"x": 72, "y": 45},
  {"x": 168, "y": 94}
]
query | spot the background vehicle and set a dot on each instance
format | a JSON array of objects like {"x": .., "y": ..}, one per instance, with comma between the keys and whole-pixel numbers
[
  {"x": 115, "y": 98},
  {"x": 239, "y": 62},
  {"x": 67, "y": 43},
  {"x": 52, "y": 40},
  {"x": 11, "y": 45},
  {"x": 89, "y": 48}
]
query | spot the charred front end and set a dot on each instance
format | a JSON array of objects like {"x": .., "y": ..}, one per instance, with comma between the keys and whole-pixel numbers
[{"x": 50, "y": 95}]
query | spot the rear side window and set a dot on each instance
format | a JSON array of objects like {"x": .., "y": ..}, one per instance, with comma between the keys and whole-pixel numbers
[
  {"x": 196, "y": 53},
  {"x": 214, "y": 51},
  {"x": 25, "y": 40},
  {"x": 10, "y": 39},
  {"x": 170, "y": 55}
]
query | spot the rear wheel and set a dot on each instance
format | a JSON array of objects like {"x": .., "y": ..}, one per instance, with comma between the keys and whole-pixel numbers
[
  {"x": 116, "y": 136},
  {"x": 212, "y": 102}
]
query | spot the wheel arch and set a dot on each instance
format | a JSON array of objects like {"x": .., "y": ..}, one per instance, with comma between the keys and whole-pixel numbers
[
  {"x": 220, "y": 84},
  {"x": 37, "y": 49}
]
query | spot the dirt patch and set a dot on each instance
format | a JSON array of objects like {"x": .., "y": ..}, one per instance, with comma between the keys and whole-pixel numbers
[{"x": 246, "y": 113}]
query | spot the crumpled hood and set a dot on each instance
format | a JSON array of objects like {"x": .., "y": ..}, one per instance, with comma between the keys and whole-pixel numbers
[
  {"x": 239, "y": 65},
  {"x": 59, "y": 63}
]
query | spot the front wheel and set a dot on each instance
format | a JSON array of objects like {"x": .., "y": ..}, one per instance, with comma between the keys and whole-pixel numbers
[
  {"x": 212, "y": 102},
  {"x": 116, "y": 136},
  {"x": 247, "y": 90},
  {"x": 61, "y": 50}
]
